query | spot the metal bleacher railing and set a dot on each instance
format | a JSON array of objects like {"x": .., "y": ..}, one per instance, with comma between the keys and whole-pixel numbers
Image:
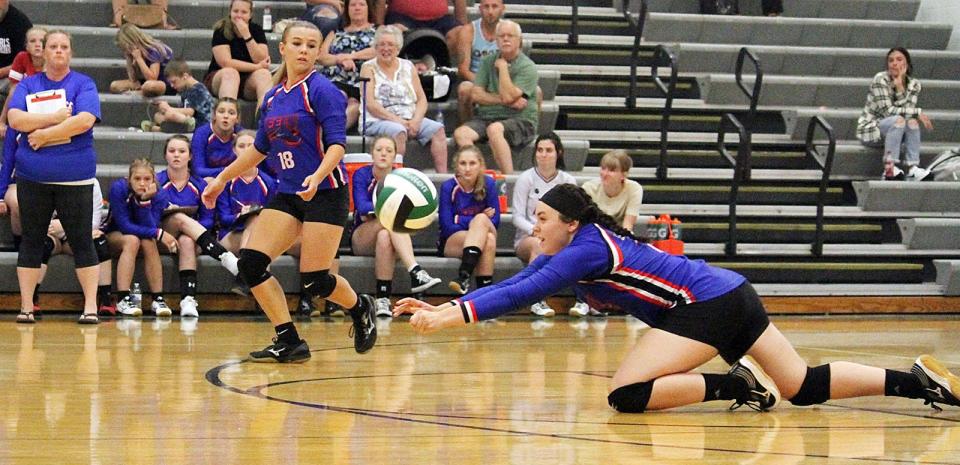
[
  {"x": 740, "y": 163},
  {"x": 662, "y": 54},
  {"x": 825, "y": 162}
]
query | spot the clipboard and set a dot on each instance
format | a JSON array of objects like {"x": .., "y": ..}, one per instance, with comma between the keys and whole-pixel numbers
[
  {"x": 189, "y": 211},
  {"x": 47, "y": 102},
  {"x": 253, "y": 211}
]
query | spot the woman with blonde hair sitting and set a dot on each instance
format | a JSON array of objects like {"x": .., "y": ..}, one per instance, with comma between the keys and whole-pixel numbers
[{"x": 145, "y": 59}]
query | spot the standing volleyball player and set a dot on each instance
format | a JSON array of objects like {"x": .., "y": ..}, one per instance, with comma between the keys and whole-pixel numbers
[
  {"x": 695, "y": 311},
  {"x": 302, "y": 123}
]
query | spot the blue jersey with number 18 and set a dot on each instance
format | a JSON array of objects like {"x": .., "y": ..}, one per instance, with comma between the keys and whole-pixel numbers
[{"x": 298, "y": 122}]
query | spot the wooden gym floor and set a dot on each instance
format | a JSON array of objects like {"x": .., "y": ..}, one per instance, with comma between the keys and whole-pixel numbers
[{"x": 515, "y": 391}]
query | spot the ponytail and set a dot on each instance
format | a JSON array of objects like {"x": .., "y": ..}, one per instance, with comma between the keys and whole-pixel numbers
[{"x": 576, "y": 201}]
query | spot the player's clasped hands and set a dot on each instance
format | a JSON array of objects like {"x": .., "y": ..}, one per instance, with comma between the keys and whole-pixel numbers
[{"x": 424, "y": 319}]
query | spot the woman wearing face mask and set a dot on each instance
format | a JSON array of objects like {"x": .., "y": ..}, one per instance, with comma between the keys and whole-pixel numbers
[
  {"x": 695, "y": 311},
  {"x": 891, "y": 118}
]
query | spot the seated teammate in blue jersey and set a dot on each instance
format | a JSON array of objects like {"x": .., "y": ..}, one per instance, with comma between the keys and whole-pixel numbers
[
  {"x": 187, "y": 219},
  {"x": 212, "y": 144},
  {"x": 242, "y": 199},
  {"x": 695, "y": 312}
]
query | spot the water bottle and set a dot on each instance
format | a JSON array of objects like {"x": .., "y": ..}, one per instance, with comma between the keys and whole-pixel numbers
[
  {"x": 135, "y": 295},
  {"x": 267, "y": 19}
]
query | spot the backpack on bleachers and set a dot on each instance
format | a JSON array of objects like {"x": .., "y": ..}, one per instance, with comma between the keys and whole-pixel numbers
[
  {"x": 946, "y": 167},
  {"x": 720, "y": 7}
]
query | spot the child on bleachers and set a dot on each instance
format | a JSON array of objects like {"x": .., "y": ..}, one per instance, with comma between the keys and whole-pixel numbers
[
  {"x": 547, "y": 172},
  {"x": 186, "y": 218},
  {"x": 369, "y": 238},
  {"x": 145, "y": 59},
  {"x": 26, "y": 63},
  {"x": 469, "y": 217},
  {"x": 212, "y": 144},
  {"x": 195, "y": 100}
]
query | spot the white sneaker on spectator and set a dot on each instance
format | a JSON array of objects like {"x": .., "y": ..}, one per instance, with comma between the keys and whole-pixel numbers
[
  {"x": 580, "y": 309},
  {"x": 542, "y": 309},
  {"x": 917, "y": 173},
  {"x": 188, "y": 307},
  {"x": 127, "y": 307},
  {"x": 383, "y": 307},
  {"x": 160, "y": 308}
]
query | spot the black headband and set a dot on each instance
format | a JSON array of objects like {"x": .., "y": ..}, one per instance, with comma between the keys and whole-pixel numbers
[{"x": 565, "y": 201}]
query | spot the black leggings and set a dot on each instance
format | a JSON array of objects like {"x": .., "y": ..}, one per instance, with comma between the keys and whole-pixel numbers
[{"x": 74, "y": 207}]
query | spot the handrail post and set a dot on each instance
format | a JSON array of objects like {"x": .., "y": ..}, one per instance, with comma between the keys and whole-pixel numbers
[
  {"x": 635, "y": 53},
  {"x": 739, "y": 173},
  {"x": 574, "y": 37},
  {"x": 660, "y": 52},
  {"x": 826, "y": 165},
  {"x": 753, "y": 95}
]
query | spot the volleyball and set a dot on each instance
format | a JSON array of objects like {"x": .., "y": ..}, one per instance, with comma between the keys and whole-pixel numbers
[{"x": 407, "y": 201}]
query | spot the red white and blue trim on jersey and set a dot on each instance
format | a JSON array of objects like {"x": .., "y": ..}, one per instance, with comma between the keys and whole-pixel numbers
[{"x": 298, "y": 124}]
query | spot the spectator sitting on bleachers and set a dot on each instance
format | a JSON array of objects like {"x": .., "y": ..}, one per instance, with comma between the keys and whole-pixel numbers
[
  {"x": 186, "y": 218},
  {"x": 547, "y": 172},
  {"x": 135, "y": 209},
  {"x": 212, "y": 144},
  {"x": 195, "y": 100},
  {"x": 369, "y": 238},
  {"x": 13, "y": 34},
  {"x": 478, "y": 39},
  {"x": 616, "y": 195},
  {"x": 239, "y": 204},
  {"x": 420, "y": 14},
  {"x": 145, "y": 58},
  {"x": 240, "y": 66},
  {"x": 891, "y": 118},
  {"x": 325, "y": 14},
  {"x": 505, "y": 93},
  {"x": 27, "y": 63},
  {"x": 771, "y": 7},
  {"x": 345, "y": 50},
  {"x": 469, "y": 218},
  {"x": 395, "y": 103},
  {"x": 120, "y": 5}
]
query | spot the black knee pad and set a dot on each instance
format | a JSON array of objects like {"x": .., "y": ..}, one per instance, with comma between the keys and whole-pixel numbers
[
  {"x": 253, "y": 266},
  {"x": 631, "y": 398},
  {"x": 48, "y": 246},
  {"x": 318, "y": 283},
  {"x": 103, "y": 250},
  {"x": 815, "y": 388}
]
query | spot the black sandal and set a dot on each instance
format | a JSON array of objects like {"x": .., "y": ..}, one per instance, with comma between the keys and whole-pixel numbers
[
  {"x": 89, "y": 319},
  {"x": 26, "y": 318}
]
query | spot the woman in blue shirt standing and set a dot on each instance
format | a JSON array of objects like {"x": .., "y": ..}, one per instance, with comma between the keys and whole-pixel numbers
[
  {"x": 56, "y": 167},
  {"x": 302, "y": 123},
  {"x": 696, "y": 311}
]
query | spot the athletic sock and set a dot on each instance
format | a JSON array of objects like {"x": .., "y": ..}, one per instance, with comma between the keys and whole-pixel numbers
[
  {"x": 188, "y": 283},
  {"x": 384, "y": 288},
  {"x": 724, "y": 387},
  {"x": 209, "y": 245},
  {"x": 471, "y": 256},
  {"x": 287, "y": 334},
  {"x": 902, "y": 384},
  {"x": 483, "y": 281}
]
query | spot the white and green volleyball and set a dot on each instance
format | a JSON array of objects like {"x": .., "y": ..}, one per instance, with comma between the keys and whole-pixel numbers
[{"x": 407, "y": 201}]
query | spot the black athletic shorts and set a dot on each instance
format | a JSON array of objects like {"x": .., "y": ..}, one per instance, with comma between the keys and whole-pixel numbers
[
  {"x": 328, "y": 206},
  {"x": 731, "y": 322}
]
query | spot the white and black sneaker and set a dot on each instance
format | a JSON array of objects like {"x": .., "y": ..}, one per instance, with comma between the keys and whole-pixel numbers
[
  {"x": 762, "y": 393},
  {"x": 939, "y": 385},
  {"x": 421, "y": 281},
  {"x": 127, "y": 307},
  {"x": 364, "y": 329},
  {"x": 279, "y": 352}
]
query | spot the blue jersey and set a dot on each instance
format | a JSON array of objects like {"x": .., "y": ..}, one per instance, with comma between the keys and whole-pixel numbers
[
  {"x": 9, "y": 160},
  {"x": 297, "y": 125},
  {"x": 609, "y": 272},
  {"x": 210, "y": 153},
  {"x": 68, "y": 162},
  {"x": 189, "y": 196},
  {"x": 130, "y": 215},
  {"x": 458, "y": 207},
  {"x": 364, "y": 186},
  {"x": 240, "y": 193}
]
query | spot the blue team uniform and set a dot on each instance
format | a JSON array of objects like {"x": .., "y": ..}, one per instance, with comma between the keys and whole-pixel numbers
[
  {"x": 296, "y": 128},
  {"x": 458, "y": 207},
  {"x": 364, "y": 185},
  {"x": 9, "y": 160},
  {"x": 130, "y": 215},
  {"x": 609, "y": 272},
  {"x": 189, "y": 196},
  {"x": 238, "y": 194},
  {"x": 47, "y": 164},
  {"x": 211, "y": 154}
]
